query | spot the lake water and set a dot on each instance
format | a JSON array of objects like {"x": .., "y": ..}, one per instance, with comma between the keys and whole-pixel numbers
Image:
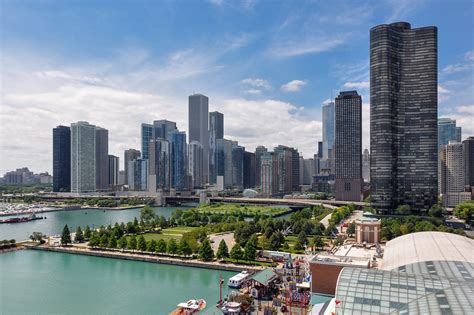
[
  {"x": 37, "y": 282},
  {"x": 55, "y": 221}
]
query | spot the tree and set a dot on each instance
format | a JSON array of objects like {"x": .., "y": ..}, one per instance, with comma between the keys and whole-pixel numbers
[
  {"x": 250, "y": 249},
  {"x": 141, "y": 243},
  {"x": 104, "y": 241},
  {"x": 151, "y": 246},
  {"x": 172, "y": 246},
  {"x": 147, "y": 214},
  {"x": 161, "y": 246},
  {"x": 87, "y": 233},
  {"x": 351, "y": 228},
  {"x": 122, "y": 242},
  {"x": 184, "y": 248},
  {"x": 113, "y": 241},
  {"x": 236, "y": 252},
  {"x": 465, "y": 210},
  {"x": 205, "y": 250},
  {"x": 275, "y": 241},
  {"x": 318, "y": 242},
  {"x": 404, "y": 229},
  {"x": 37, "y": 237},
  {"x": 65, "y": 236},
  {"x": 338, "y": 241},
  {"x": 301, "y": 241},
  {"x": 403, "y": 210},
  {"x": 79, "y": 236},
  {"x": 222, "y": 251},
  {"x": 94, "y": 240},
  {"x": 436, "y": 211},
  {"x": 132, "y": 243}
]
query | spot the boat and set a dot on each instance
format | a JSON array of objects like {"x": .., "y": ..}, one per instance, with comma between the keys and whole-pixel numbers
[
  {"x": 237, "y": 280},
  {"x": 22, "y": 219},
  {"x": 190, "y": 307}
]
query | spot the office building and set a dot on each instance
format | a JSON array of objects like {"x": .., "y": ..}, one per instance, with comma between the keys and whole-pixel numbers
[
  {"x": 102, "y": 158},
  {"x": 259, "y": 151},
  {"x": 129, "y": 155},
  {"x": 178, "y": 160},
  {"x": 121, "y": 177},
  {"x": 224, "y": 160},
  {"x": 403, "y": 117},
  {"x": 452, "y": 174},
  {"x": 237, "y": 166},
  {"x": 216, "y": 131},
  {"x": 285, "y": 168},
  {"x": 448, "y": 131},
  {"x": 138, "y": 174},
  {"x": 146, "y": 133},
  {"x": 348, "y": 147},
  {"x": 113, "y": 170},
  {"x": 366, "y": 166},
  {"x": 468, "y": 153},
  {"x": 195, "y": 166},
  {"x": 269, "y": 173},
  {"x": 83, "y": 157},
  {"x": 162, "y": 129},
  {"x": 159, "y": 165},
  {"x": 306, "y": 171},
  {"x": 198, "y": 123},
  {"x": 61, "y": 159},
  {"x": 328, "y": 133},
  {"x": 249, "y": 169}
]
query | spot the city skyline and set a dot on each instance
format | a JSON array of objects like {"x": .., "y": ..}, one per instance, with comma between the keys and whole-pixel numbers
[{"x": 91, "y": 84}]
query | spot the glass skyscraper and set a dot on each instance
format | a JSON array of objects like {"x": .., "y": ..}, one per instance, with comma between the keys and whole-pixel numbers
[
  {"x": 403, "y": 117},
  {"x": 178, "y": 160},
  {"x": 198, "y": 124},
  {"x": 83, "y": 157},
  {"x": 146, "y": 136},
  {"x": 448, "y": 131},
  {"x": 62, "y": 159},
  {"x": 216, "y": 131},
  {"x": 328, "y": 130}
]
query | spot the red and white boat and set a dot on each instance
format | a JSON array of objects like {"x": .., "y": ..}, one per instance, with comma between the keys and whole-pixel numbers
[{"x": 190, "y": 307}]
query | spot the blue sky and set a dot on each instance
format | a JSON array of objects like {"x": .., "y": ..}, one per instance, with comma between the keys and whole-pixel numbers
[{"x": 267, "y": 65}]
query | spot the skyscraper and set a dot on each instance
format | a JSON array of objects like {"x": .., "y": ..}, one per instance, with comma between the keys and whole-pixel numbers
[
  {"x": 102, "y": 158},
  {"x": 403, "y": 116},
  {"x": 348, "y": 147},
  {"x": 159, "y": 165},
  {"x": 113, "y": 170},
  {"x": 146, "y": 136},
  {"x": 162, "y": 129},
  {"x": 224, "y": 161},
  {"x": 237, "y": 166},
  {"x": 328, "y": 131},
  {"x": 195, "y": 160},
  {"x": 61, "y": 159},
  {"x": 178, "y": 159},
  {"x": 129, "y": 155},
  {"x": 138, "y": 174},
  {"x": 198, "y": 117},
  {"x": 452, "y": 174},
  {"x": 269, "y": 175},
  {"x": 285, "y": 168},
  {"x": 83, "y": 157},
  {"x": 448, "y": 131},
  {"x": 216, "y": 131},
  {"x": 259, "y": 151},
  {"x": 468, "y": 152},
  {"x": 366, "y": 166},
  {"x": 249, "y": 169}
]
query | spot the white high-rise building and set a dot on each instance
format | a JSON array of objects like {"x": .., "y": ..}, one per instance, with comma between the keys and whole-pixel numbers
[
  {"x": 83, "y": 157},
  {"x": 452, "y": 174}
]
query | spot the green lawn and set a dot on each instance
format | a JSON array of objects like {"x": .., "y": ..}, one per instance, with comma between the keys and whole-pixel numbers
[
  {"x": 167, "y": 234},
  {"x": 247, "y": 210}
]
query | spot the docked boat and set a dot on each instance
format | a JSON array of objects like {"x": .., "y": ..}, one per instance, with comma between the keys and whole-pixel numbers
[
  {"x": 237, "y": 280},
  {"x": 22, "y": 219},
  {"x": 190, "y": 307}
]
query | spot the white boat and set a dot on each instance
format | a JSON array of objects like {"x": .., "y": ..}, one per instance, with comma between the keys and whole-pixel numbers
[
  {"x": 237, "y": 280},
  {"x": 190, "y": 307}
]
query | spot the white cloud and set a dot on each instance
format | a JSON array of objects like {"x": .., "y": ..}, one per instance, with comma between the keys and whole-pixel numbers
[
  {"x": 293, "y": 86},
  {"x": 299, "y": 47},
  {"x": 458, "y": 67},
  {"x": 357, "y": 85},
  {"x": 442, "y": 90},
  {"x": 256, "y": 82},
  {"x": 469, "y": 55},
  {"x": 253, "y": 91}
]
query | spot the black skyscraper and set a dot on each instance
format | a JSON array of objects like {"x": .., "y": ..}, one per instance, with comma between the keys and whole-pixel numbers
[
  {"x": 403, "y": 116},
  {"x": 61, "y": 158}
]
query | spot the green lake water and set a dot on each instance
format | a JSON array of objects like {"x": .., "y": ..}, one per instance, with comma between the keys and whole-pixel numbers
[
  {"x": 55, "y": 221},
  {"x": 36, "y": 282}
]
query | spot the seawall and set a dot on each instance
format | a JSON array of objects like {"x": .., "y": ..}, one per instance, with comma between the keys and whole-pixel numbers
[{"x": 147, "y": 258}]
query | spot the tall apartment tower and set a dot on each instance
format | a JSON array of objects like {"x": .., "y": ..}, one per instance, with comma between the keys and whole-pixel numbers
[
  {"x": 468, "y": 152},
  {"x": 198, "y": 122},
  {"x": 113, "y": 170},
  {"x": 237, "y": 166},
  {"x": 366, "y": 166},
  {"x": 178, "y": 160},
  {"x": 328, "y": 131},
  {"x": 249, "y": 169},
  {"x": 128, "y": 156},
  {"x": 269, "y": 175},
  {"x": 146, "y": 132},
  {"x": 61, "y": 159},
  {"x": 102, "y": 158},
  {"x": 224, "y": 161},
  {"x": 403, "y": 116},
  {"x": 195, "y": 160},
  {"x": 348, "y": 147},
  {"x": 83, "y": 157},
  {"x": 216, "y": 131},
  {"x": 452, "y": 174},
  {"x": 159, "y": 165},
  {"x": 259, "y": 151}
]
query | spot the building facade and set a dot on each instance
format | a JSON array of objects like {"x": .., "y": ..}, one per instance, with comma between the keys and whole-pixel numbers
[
  {"x": 179, "y": 165},
  {"x": 237, "y": 166},
  {"x": 102, "y": 158},
  {"x": 249, "y": 169},
  {"x": 269, "y": 181},
  {"x": 129, "y": 155},
  {"x": 403, "y": 117},
  {"x": 62, "y": 159},
  {"x": 468, "y": 152},
  {"x": 348, "y": 147},
  {"x": 146, "y": 133},
  {"x": 159, "y": 165},
  {"x": 113, "y": 170},
  {"x": 195, "y": 160},
  {"x": 138, "y": 174},
  {"x": 328, "y": 130},
  {"x": 83, "y": 157},
  {"x": 198, "y": 122},
  {"x": 216, "y": 131},
  {"x": 259, "y": 151},
  {"x": 452, "y": 174},
  {"x": 366, "y": 166}
]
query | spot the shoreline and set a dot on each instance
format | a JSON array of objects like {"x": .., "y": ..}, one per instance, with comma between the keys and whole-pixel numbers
[
  {"x": 63, "y": 209},
  {"x": 147, "y": 258}
]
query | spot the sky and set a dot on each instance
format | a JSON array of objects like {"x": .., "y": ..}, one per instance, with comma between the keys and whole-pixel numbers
[{"x": 268, "y": 66}]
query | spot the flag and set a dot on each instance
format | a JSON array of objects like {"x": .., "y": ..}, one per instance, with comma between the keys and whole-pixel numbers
[{"x": 338, "y": 302}]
